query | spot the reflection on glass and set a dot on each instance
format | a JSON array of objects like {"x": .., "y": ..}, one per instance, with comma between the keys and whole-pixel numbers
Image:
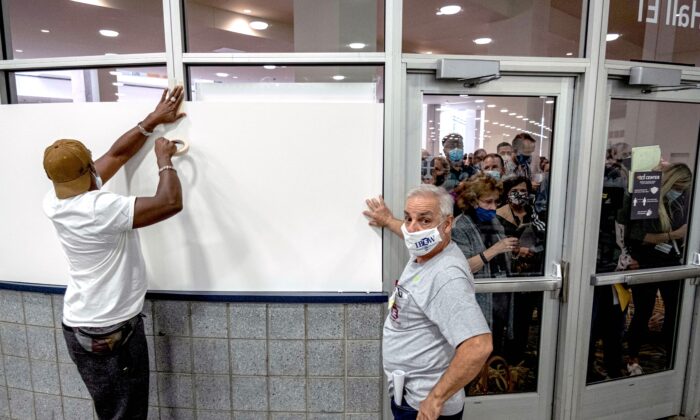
[
  {"x": 493, "y": 156},
  {"x": 531, "y": 28},
  {"x": 515, "y": 323},
  {"x": 647, "y": 185},
  {"x": 90, "y": 85},
  {"x": 661, "y": 31},
  {"x": 63, "y": 28},
  {"x": 288, "y": 83},
  {"x": 284, "y": 26}
]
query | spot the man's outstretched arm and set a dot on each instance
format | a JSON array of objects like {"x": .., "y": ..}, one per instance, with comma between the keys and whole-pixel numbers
[{"x": 131, "y": 142}]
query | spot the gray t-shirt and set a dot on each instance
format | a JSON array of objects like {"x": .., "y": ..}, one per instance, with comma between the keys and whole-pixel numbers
[{"x": 432, "y": 311}]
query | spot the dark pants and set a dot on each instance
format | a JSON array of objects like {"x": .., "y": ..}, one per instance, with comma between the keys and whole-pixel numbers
[
  {"x": 406, "y": 412},
  {"x": 117, "y": 380},
  {"x": 644, "y": 298}
]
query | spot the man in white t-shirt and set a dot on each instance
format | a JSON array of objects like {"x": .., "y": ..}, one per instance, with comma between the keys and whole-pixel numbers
[
  {"x": 435, "y": 332},
  {"x": 102, "y": 322}
]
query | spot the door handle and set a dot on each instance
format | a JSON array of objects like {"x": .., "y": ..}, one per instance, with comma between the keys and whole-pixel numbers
[{"x": 650, "y": 275}]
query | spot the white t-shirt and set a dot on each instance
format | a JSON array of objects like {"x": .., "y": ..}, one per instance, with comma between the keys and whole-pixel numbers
[{"x": 107, "y": 282}]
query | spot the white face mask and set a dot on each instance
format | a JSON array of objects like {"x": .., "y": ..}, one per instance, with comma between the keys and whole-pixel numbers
[{"x": 421, "y": 242}]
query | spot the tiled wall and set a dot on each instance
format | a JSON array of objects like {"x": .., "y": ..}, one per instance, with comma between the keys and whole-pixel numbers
[{"x": 208, "y": 361}]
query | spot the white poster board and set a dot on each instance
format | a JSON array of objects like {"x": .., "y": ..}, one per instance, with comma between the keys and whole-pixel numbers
[{"x": 273, "y": 194}]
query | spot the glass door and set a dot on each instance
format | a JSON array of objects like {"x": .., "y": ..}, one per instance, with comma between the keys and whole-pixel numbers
[
  {"x": 642, "y": 293},
  {"x": 501, "y": 146}
]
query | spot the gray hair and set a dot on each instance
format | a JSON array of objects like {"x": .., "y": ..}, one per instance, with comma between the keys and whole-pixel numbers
[{"x": 443, "y": 197}]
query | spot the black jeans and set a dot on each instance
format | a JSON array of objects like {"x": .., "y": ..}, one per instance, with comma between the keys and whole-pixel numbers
[
  {"x": 117, "y": 380},
  {"x": 406, "y": 412}
]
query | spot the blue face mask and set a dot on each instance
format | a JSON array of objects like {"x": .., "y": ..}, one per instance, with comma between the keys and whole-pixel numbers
[
  {"x": 673, "y": 195},
  {"x": 494, "y": 174},
  {"x": 523, "y": 159},
  {"x": 456, "y": 155},
  {"x": 484, "y": 215}
]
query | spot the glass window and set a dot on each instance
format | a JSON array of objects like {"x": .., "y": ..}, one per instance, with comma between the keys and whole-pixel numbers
[
  {"x": 285, "y": 26},
  {"x": 645, "y": 206},
  {"x": 653, "y": 30},
  {"x": 288, "y": 83},
  {"x": 90, "y": 85},
  {"x": 517, "y": 28},
  {"x": 512, "y": 367},
  {"x": 61, "y": 28}
]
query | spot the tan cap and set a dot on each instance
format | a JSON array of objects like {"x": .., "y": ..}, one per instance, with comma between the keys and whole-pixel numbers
[{"x": 67, "y": 164}]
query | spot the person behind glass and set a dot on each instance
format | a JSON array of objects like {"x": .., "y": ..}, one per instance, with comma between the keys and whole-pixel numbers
[
  {"x": 435, "y": 331},
  {"x": 102, "y": 322},
  {"x": 440, "y": 171},
  {"x": 658, "y": 243},
  {"x": 453, "y": 148},
  {"x": 483, "y": 241},
  {"x": 505, "y": 150},
  {"x": 492, "y": 165},
  {"x": 520, "y": 163},
  {"x": 479, "y": 155},
  {"x": 519, "y": 220}
]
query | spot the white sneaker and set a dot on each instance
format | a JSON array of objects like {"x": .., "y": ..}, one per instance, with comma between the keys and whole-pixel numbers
[{"x": 634, "y": 369}]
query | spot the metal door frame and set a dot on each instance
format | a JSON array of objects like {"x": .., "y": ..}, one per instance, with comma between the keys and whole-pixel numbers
[
  {"x": 648, "y": 396},
  {"x": 535, "y": 405}
]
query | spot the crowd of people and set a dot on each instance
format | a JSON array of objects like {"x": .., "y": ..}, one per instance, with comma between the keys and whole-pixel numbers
[{"x": 621, "y": 313}]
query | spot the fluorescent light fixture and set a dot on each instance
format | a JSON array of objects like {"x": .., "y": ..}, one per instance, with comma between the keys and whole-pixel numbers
[
  {"x": 19, "y": 51},
  {"x": 92, "y": 2},
  {"x": 511, "y": 113},
  {"x": 479, "y": 101},
  {"x": 428, "y": 52},
  {"x": 504, "y": 110},
  {"x": 612, "y": 37},
  {"x": 549, "y": 101},
  {"x": 525, "y": 119},
  {"x": 569, "y": 54},
  {"x": 357, "y": 45},
  {"x": 234, "y": 77},
  {"x": 338, "y": 77},
  {"x": 247, "y": 11},
  {"x": 483, "y": 41},
  {"x": 258, "y": 25},
  {"x": 491, "y": 106},
  {"x": 451, "y": 9},
  {"x": 519, "y": 116},
  {"x": 46, "y": 31},
  {"x": 221, "y": 74},
  {"x": 109, "y": 33},
  {"x": 269, "y": 67}
]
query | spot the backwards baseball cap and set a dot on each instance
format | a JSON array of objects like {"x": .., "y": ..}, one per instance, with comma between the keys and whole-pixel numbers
[{"x": 67, "y": 164}]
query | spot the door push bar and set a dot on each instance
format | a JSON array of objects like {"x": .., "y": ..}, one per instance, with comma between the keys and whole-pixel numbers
[
  {"x": 552, "y": 282},
  {"x": 651, "y": 275}
]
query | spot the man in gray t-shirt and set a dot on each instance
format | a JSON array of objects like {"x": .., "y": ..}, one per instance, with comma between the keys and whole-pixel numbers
[{"x": 435, "y": 331}]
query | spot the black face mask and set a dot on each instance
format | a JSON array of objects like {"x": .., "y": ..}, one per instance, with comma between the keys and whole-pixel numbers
[
  {"x": 439, "y": 180},
  {"x": 627, "y": 162}
]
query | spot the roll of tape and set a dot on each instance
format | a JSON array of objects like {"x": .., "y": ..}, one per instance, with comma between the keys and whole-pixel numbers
[{"x": 181, "y": 150}]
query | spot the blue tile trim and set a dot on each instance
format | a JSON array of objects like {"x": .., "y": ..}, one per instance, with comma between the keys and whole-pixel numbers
[{"x": 243, "y": 297}]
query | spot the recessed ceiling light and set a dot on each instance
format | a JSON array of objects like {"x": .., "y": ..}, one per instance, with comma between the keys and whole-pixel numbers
[
  {"x": 511, "y": 113},
  {"x": 518, "y": 116},
  {"x": 234, "y": 77},
  {"x": 269, "y": 67},
  {"x": 19, "y": 51},
  {"x": 338, "y": 77},
  {"x": 258, "y": 25},
  {"x": 222, "y": 74},
  {"x": 357, "y": 45},
  {"x": 483, "y": 41},
  {"x": 479, "y": 101},
  {"x": 612, "y": 37},
  {"x": 109, "y": 33},
  {"x": 46, "y": 31},
  {"x": 451, "y": 9},
  {"x": 549, "y": 101},
  {"x": 525, "y": 119},
  {"x": 569, "y": 53},
  {"x": 504, "y": 110},
  {"x": 428, "y": 52},
  {"x": 491, "y": 106},
  {"x": 246, "y": 11}
]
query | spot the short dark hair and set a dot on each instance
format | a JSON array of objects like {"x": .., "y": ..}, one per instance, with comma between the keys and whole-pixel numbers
[
  {"x": 520, "y": 138},
  {"x": 505, "y": 143},
  {"x": 511, "y": 182}
]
